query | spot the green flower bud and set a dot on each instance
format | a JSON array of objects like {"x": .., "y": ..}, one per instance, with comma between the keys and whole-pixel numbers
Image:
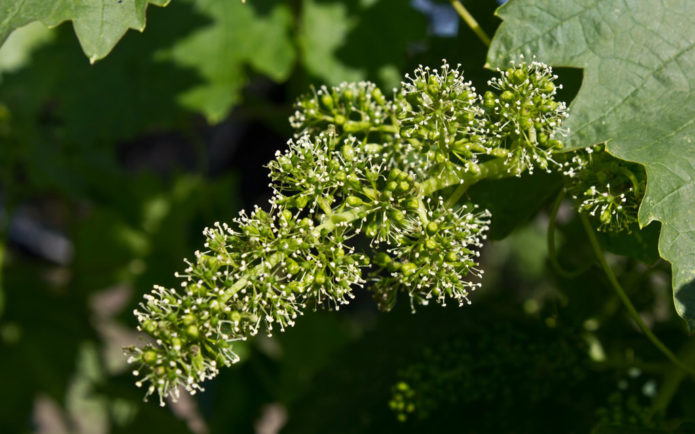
[
  {"x": 327, "y": 101},
  {"x": 348, "y": 152},
  {"x": 292, "y": 266},
  {"x": 192, "y": 331},
  {"x": 354, "y": 201},
  {"x": 149, "y": 357},
  {"x": 518, "y": 76},
  {"x": 319, "y": 278},
  {"x": 408, "y": 268},
  {"x": 412, "y": 204},
  {"x": 507, "y": 96},
  {"x": 432, "y": 228}
]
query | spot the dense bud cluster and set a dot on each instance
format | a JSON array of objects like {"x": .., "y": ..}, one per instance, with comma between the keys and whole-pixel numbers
[
  {"x": 439, "y": 114},
  {"x": 523, "y": 116},
  {"x": 433, "y": 258},
  {"x": 360, "y": 165},
  {"x": 259, "y": 276},
  {"x": 352, "y": 107},
  {"x": 605, "y": 187}
]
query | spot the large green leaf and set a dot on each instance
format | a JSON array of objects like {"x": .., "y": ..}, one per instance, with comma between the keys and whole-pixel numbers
[
  {"x": 99, "y": 24},
  {"x": 639, "y": 67}
]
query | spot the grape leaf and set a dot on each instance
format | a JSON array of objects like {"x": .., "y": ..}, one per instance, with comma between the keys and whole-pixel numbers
[
  {"x": 99, "y": 25},
  {"x": 639, "y": 66},
  {"x": 256, "y": 33}
]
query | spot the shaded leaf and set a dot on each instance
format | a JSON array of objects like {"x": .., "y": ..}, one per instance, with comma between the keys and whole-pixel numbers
[
  {"x": 237, "y": 35},
  {"x": 354, "y": 40}
]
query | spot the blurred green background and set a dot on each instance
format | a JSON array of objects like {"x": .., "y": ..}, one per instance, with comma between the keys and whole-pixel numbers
[{"x": 111, "y": 171}]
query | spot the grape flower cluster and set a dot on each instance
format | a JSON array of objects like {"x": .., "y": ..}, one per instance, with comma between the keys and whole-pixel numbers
[
  {"x": 606, "y": 188},
  {"x": 362, "y": 198}
]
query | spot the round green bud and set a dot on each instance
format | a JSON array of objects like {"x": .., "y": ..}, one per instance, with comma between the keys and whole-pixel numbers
[
  {"x": 432, "y": 228},
  {"x": 394, "y": 174},
  {"x": 354, "y": 201},
  {"x": 188, "y": 320},
  {"x": 215, "y": 306},
  {"x": 327, "y": 101},
  {"x": 149, "y": 357},
  {"x": 507, "y": 96},
  {"x": 391, "y": 185},
  {"x": 294, "y": 286},
  {"x": 397, "y": 216},
  {"x": 176, "y": 344},
  {"x": 403, "y": 186},
  {"x": 518, "y": 76},
  {"x": 382, "y": 259},
  {"x": 354, "y": 180},
  {"x": 451, "y": 257},
  {"x": 235, "y": 316},
  {"x": 319, "y": 278},
  {"x": 549, "y": 87},
  {"x": 431, "y": 244},
  {"x": 339, "y": 119},
  {"x": 348, "y": 94},
  {"x": 287, "y": 214},
  {"x": 149, "y": 326},
  {"x": 192, "y": 331},
  {"x": 301, "y": 201},
  {"x": 408, "y": 268},
  {"x": 292, "y": 266}
]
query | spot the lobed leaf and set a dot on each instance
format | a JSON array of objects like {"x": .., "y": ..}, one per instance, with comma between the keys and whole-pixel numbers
[{"x": 99, "y": 25}]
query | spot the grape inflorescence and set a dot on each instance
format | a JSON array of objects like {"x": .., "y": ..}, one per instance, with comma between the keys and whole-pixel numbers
[{"x": 361, "y": 166}]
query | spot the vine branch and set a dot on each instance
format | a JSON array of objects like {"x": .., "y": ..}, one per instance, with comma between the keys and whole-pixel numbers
[{"x": 598, "y": 251}]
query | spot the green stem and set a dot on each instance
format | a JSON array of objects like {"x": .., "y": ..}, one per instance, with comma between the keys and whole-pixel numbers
[
  {"x": 456, "y": 195},
  {"x": 552, "y": 254},
  {"x": 598, "y": 251},
  {"x": 471, "y": 22},
  {"x": 493, "y": 169},
  {"x": 633, "y": 180}
]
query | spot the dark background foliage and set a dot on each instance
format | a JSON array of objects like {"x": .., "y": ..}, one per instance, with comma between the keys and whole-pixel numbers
[{"x": 111, "y": 171}]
